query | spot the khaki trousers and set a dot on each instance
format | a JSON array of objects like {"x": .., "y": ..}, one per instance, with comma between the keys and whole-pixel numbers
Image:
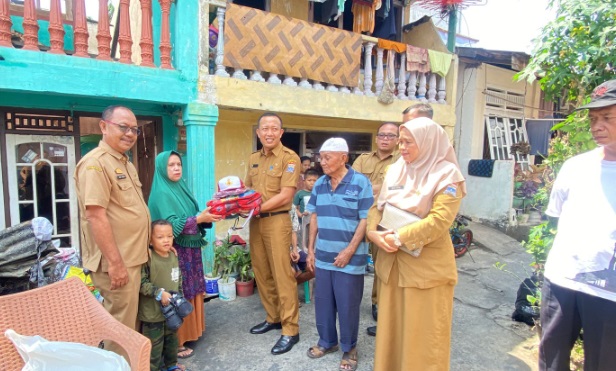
[
  {"x": 122, "y": 303},
  {"x": 270, "y": 239},
  {"x": 414, "y": 327}
]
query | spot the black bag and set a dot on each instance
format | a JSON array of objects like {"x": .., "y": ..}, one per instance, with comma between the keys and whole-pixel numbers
[{"x": 524, "y": 311}]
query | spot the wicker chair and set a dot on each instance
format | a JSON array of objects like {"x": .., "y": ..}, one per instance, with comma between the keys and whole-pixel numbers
[{"x": 65, "y": 311}]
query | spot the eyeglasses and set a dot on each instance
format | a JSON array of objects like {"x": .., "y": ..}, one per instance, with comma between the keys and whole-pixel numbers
[
  {"x": 386, "y": 136},
  {"x": 126, "y": 128}
]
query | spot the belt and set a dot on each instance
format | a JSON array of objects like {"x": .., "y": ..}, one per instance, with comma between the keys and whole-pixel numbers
[{"x": 267, "y": 215}]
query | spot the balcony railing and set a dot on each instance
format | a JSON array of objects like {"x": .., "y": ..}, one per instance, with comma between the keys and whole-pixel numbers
[
  {"x": 409, "y": 85},
  {"x": 57, "y": 24}
]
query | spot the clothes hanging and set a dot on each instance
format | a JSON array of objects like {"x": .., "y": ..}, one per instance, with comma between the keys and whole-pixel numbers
[
  {"x": 417, "y": 59},
  {"x": 392, "y": 45},
  {"x": 364, "y": 14},
  {"x": 439, "y": 62},
  {"x": 481, "y": 168},
  {"x": 387, "y": 28},
  {"x": 539, "y": 134}
]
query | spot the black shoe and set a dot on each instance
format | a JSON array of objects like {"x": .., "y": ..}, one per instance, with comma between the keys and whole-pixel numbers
[
  {"x": 375, "y": 311},
  {"x": 285, "y": 344},
  {"x": 264, "y": 327},
  {"x": 174, "y": 321},
  {"x": 182, "y": 306},
  {"x": 371, "y": 330}
]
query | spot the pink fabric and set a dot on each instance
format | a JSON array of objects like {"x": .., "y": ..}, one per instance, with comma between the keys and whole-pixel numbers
[
  {"x": 412, "y": 186},
  {"x": 417, "y": 59}
]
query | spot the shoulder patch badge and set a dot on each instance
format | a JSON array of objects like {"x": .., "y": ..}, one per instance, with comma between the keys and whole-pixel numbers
[
  {"x": 95, "y": 168},
  {"x": 452, "y": 190},
  {"x": 290, "y": 167}
]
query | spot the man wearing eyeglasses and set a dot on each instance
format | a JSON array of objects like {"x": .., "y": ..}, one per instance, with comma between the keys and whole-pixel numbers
[
  {"x": 114, "y": 217},
  {"x": 579, "y": 290}
]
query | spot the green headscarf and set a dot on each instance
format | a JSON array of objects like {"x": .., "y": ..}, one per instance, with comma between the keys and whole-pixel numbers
[{"x": 174, "y": 202}]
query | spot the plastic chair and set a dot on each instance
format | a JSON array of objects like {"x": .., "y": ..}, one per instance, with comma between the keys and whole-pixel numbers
[{"x": 66, "y": 311}]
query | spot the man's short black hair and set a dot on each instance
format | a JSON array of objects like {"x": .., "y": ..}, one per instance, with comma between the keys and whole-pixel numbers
[
  {"x": 311, "y": 172},
  {"x": 304, "y": 158},
  {"x": 423, "y": 110},
  {"x": 108, "y": 112},
  {"x": 269, "y": 114},
  {"x": 388, "y": 123}
]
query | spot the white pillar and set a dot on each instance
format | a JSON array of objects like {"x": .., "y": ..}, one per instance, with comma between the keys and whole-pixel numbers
[
  {"x": 432, "y": 90},
  {"x": 402, "y": 78},
  {"x": 411, "y": 91},
  {"x": 220, "y": 48},
  {"x": 378, "y": 84},
  {"x": 421, "y": 91},
  {"x": 442, "y": 88},
  {"x": 368, "y": 69}
]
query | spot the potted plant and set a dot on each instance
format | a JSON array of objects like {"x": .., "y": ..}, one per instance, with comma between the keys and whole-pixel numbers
[
  {"x": 226, "y": 261},
  {"x": 245, "y": 285},
  {"x": 521, "y": 148}
]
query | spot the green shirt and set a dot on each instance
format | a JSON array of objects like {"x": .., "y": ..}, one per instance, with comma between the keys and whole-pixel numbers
[
  {"x": 298, "y": 200},
  {"x": 158, "y": 272}
]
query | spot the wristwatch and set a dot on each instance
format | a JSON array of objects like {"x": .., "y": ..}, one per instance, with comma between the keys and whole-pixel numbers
[{"x": 397, "y": 241}]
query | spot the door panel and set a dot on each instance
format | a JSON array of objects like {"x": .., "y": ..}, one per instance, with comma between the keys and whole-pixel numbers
[{"x": 40, "y": 183}]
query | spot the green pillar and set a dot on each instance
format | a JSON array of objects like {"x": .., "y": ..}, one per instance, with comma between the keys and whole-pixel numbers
[
  {"x": 452, "y": 31},
  {"x": 199, "y": 166}
]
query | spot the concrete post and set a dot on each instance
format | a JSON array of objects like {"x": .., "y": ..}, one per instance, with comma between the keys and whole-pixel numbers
[{"x": 199, "y": 163}]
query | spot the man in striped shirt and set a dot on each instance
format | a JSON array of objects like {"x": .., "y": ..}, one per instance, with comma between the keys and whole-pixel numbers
[{"x": 337, "y": 250}]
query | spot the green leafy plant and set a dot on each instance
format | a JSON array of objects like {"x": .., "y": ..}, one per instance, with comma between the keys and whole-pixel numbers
[
  {"x": 576, "y": 51},
  {"x": 540, "y": 240},
  {"x": 231, "y": 259}
]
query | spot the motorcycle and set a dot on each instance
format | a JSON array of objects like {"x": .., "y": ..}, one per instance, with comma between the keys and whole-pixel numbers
[{"x": 461, "y": 236}]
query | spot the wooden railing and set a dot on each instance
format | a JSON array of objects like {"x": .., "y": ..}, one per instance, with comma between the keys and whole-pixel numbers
[
  {"x": 409, "y": 85},
  {"x": 80, "y": 30}
]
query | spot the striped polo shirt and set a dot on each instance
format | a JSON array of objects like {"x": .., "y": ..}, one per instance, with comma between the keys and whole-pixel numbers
[{"x": 338, "y": 215}]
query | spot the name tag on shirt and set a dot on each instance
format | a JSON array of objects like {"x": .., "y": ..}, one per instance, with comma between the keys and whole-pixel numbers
[
  {"x": 395, "y": 188},
  {"x": 175, "y": 274}
]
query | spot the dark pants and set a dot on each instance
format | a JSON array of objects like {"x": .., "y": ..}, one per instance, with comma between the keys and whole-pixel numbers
[
  {"x": 563, "y": 313},
  {"x": 337, "y": 292},
  {"x": 164, "y": 344}
]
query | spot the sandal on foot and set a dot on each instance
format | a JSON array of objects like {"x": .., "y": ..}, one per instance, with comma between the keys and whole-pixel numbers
[
  {"x": 349, "y": 361},
  {"x": 318, "y": 351},
  {"x": 185, "y": 350},
  {"x": 178, "y": 367}
]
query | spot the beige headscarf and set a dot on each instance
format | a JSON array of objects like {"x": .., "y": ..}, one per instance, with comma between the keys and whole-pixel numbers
[{"x": 412, "y": 186}]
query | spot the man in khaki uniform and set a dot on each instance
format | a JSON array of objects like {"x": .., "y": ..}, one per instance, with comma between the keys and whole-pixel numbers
[
  {"x": 273, "y": 171},
  {"x": 114, "y": 217},
  {"x": 372, "y": 165}
]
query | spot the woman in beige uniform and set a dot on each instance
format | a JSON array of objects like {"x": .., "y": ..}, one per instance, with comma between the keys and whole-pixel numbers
[{"x": 416, "y": 293}]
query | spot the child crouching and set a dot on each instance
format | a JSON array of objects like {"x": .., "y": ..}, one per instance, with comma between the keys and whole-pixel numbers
[{"x": 159, "y": 276}]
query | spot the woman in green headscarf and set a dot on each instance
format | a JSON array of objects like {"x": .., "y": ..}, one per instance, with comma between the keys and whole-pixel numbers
[{"x": 170, "y": 199}]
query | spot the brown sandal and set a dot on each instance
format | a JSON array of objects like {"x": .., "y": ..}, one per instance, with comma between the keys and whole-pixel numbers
[
  {"x": 349, "y": 361},
  {"x": 318, "y": 351}
]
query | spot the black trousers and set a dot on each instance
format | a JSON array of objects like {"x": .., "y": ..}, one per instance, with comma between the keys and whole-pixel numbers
[{"x": 564, "y": 313}]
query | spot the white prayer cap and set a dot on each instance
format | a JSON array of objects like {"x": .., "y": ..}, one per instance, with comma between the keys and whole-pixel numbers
[{"x": 335, "y": 145}]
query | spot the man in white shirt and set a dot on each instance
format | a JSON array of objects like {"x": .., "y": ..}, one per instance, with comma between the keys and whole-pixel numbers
[{"x": 579, "y": 291}]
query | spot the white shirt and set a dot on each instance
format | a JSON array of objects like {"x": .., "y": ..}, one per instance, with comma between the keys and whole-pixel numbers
[{"x": 584, "y": 199}]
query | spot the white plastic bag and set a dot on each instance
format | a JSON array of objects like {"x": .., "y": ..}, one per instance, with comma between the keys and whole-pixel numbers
[{"x": 43, "y": 355}]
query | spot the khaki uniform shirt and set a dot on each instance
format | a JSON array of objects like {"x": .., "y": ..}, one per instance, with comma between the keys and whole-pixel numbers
[
  {"x": 373, "y": 167},
  {"x": 267, "y": 174},
  {"x": 436, "y": 265},
  {"x": 105, "y": 178}
]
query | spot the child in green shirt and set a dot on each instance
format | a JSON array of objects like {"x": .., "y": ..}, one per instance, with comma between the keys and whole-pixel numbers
[{"x": 159, "y": 276}]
